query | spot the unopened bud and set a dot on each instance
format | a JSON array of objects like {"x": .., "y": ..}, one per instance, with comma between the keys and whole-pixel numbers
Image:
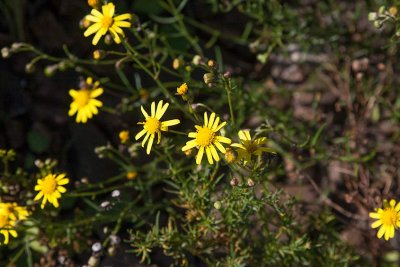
[
  {"x": 250, "y": 182},
  {"x": 108, "y": 40},
  {"x": 84, "y": 23},
  {"x": 176, "y": 63},
  {"x": 381, "y": 10},
  {"x": 378, "y": 24},
  {"x": 196, "y": 60},
  {"x": 211, "y": 63},
  {"x": 234, "y": 182},
  {"x": 217, "y": 205},
  {"x": 93, "y": 261},
  {"x": 227, "y": 74},
  {"x": 98, "y": 54},
  {"x": 94, "y": 3},
  {"x": 372, "y": 16},
  {"x": 30, "y": 67},
  {"x": 96, "y": 247},
  {"x": 393, "y": 11},
  {"x": 230, "y": 155},
  {"x": 50, "y": 70},
  {"x": 209, "y": 78},
  {"x": 5, "y": 52}
]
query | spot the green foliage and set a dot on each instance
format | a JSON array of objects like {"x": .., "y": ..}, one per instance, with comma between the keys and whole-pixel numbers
[{"x": 276, "y": 210}]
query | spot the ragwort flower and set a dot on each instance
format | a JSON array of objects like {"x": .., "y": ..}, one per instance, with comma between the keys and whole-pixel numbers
[
  {"x": 153, "y": 125},
  {"x": 106, "y": 22},
  {"x": 206, "y": 139},
  {"x": 50, "y": 188},
  {"x": 7, "y": 228},
  {"x": 388, "y": 219},
  {"x": 248, "y": 147},
  {"x": 84, "y": 101},
  {"x": 13, "y": 211}
]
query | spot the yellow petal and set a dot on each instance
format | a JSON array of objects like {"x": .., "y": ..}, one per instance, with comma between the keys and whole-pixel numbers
[
  {"x": 161, "y": 109},
  {"x": 220, "y": 146},
  {"x": 145, "y": 139},
  {"x": 124, "y": 24},
  {"x": 153, "y": 109},
  {"x": 123, "y": 17},
  {"x": 140, "y": 134},
  {"x": 209, "y": 156},
  {"x": 205, "y": 119},
  {"x": 376, "y": 224},
  {"x": 96, "y": 92},
  {"x": 211, "y": 120},
  {"x": 214, "y": 153},
  {"x": 96, "y": 13},
  {"x": 144, "y": 112},
  {"x": 381, "y": 232},
  {"x": 199, "y": 156},
  {"x": 92, "y": 29},
  {"x": 190, "y": 144},
  {"x": 170, "y": 123},
  {"x": 215, "y": 124},
  {"x": 219, "y": 127},
  {"x": 149, "y": 144},
  {"x": 192, "y": 135},
  {"x": 223, "y": 139}
]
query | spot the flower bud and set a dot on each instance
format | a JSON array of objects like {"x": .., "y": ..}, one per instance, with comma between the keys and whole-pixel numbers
[
  {"x": 230, "y": 155},
  {"x": 209, "y": 78},
  {"x": 130, "y": 175},
  {"x": 217, "y": 205},
  {"x": 94, "y": 3},
  {"x": 5, "y": 52},
  {"x": 176, "y": 63},
  {"x": 123, "y": 136},
  {"x": 196, "y": 60},
  {"x": 372, "y": 16},
  {"x": 378, "y": 24},
  {"x": 98, "y": 54},
  {"x": 211, "y": 63},
  {"x": 234, "y": 182},
  {"x": 250, "y": 182},
  {"x": 393, "y": 11},
  {"x": 30, "y": 67},
  {"x": 108, "y": 40},
  {"x": 84, "y": 23},
  {"x": 50, "y": 70}
]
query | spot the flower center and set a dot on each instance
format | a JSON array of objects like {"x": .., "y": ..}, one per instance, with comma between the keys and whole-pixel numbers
[
  {"x": 49, "y": 185},
  {"x": 107, "y": 21},
  {"x": 3, "y": 221},
  {"x": 205, "y": 137},
  {"x": 389, "y": 216},
  {"x": 82, "y": 98},
  {"x": 251, "y": 148},
  {"x": 152, "y": 125}
]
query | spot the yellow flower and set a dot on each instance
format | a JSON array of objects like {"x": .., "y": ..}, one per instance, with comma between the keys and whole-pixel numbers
[
  {"x": 388, "y": 219},
  {"x": 248, "y": 147},
  {"x": 13, "y": 211},
  {"x": 50, "y": 188},
  {"x": 123, "y": 136},
  {"x": 6, "y": 228},
  {"x": 106, "y": 22},
  {"x": 206, "y": 138},
  {"x": 182, "y": 90},
  {"x": 84, "y": 101},
  {"x": 153, "y": 125}
]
